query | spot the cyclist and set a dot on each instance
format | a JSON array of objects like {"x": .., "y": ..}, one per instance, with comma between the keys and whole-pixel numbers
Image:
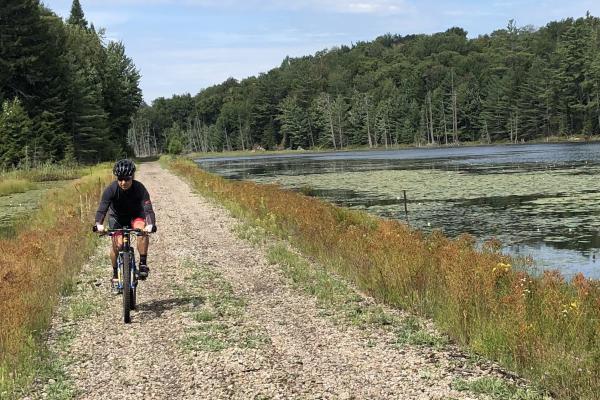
[{"x": 128, "y": 204}]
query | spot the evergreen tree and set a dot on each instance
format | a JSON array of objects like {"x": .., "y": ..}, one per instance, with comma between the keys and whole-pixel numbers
[
  {"x": 121, "y": 93},
  {"x": 515, "y": 84},
  {"x": 15, "y": 135},
  {"x": 294, "y": 126},
  {"x": 76, "y": 17}
]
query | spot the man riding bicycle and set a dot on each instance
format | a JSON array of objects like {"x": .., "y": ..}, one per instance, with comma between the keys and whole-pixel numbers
[{"x": 128, "y": 204}]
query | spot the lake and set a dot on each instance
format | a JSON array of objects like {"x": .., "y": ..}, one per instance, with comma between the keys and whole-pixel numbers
[{"x": 540, "y": 200}]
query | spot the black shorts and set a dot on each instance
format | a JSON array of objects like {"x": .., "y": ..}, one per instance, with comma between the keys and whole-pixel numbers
[{"x": 119, "y": 222}]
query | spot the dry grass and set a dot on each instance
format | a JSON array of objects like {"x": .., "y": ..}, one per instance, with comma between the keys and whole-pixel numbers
[
  {"x": 36, "y": 265},
  {"x": 543, "y": 327}
]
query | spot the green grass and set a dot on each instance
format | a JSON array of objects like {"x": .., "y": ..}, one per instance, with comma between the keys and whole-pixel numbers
[
  {"x": 47, "y": 172},
  {"x": 220, "y": 318},
  {"x": 334, "y": 294},
  {"x": 499, "y": 389},
  {"x": 410, "y": 331},
  {"x": 341, "y": 302},
  {"x": 204, "y": 316},
  {"x": 11, "y": 185}
]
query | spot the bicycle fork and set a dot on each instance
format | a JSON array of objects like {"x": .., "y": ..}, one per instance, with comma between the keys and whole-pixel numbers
[{"x": 131, "y": 266}]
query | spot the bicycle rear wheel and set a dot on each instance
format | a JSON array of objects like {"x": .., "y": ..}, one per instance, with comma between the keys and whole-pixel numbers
[{"x": 127, "y": 289}]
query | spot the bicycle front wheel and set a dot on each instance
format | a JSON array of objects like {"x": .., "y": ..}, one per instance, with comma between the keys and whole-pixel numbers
[{"x": 127, "y": 289}]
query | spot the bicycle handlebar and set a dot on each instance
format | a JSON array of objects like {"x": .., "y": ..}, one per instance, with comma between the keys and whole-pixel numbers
[{"x": 111, "y": 232}]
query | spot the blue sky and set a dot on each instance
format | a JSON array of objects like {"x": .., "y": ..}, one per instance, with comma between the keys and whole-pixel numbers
[{"x": 182, "y": 46}]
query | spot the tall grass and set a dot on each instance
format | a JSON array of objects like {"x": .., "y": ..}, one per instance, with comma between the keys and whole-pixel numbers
[
  {"x": 46, "y": 172},
  {"x": 12, "y": 185},
  {"x": 543, "y": 327},
  {"x": 36, "y": 266}
]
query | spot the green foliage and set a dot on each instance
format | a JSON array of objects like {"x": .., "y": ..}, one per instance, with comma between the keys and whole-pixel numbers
[
  {"x": 497, "y": 388},
  {"x": 515, "y": 84},
  {"x": 78, "y": 93},
  {"x": 77, "y": 17},
  {"x": 10, "y": 186},
  {"x": 175, "y": 140},
  {"x": 15, "y": 134}
]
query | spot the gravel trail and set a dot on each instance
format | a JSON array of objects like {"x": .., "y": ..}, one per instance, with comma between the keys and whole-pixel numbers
[{"x": 216, "y": 321}]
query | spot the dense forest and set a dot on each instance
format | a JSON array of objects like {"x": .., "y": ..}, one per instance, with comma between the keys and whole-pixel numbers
[
  {"x": 65, "y": 93},
  {"x": 514, "y": 84}
]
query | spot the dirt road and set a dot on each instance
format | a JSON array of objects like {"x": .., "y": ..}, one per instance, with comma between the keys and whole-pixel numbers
[{"x": 217, "y": 321}]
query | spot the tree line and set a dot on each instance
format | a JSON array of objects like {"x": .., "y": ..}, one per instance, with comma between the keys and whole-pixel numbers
[
  {"x": 65, "y": 93},
  {"x": 514, "y": 84}
]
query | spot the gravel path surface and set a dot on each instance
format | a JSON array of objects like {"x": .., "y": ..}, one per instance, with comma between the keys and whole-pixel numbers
[{"x": 216, "y": 321}]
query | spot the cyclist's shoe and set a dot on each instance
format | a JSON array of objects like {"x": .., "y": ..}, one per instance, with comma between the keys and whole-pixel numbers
[
  {"x": 143, "y": 272},
  {"x": 115, "y": 289}
]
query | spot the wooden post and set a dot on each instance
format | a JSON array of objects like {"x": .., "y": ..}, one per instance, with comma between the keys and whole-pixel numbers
[{"x": 405, "y": 207}]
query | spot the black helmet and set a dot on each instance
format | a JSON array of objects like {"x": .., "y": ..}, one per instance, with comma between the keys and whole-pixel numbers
[{"x": 124, "y": 168}]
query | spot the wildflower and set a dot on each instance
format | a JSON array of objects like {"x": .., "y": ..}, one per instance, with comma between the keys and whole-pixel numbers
[{"x": 502, "y": 267}]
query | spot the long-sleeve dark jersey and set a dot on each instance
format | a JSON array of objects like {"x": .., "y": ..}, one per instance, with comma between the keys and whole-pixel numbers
[{"x": 126, "y": 204}]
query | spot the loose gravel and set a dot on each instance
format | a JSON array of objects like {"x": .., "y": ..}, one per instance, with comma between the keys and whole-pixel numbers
[{"x": 216, "y": 321}]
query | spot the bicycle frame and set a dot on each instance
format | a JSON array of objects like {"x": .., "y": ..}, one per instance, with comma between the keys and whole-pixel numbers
[
  {"x": 126, "y": 248},
  {"x": 126, "y": 269}
]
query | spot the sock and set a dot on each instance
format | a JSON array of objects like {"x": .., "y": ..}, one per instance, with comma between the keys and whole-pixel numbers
[
  {"x": 115, "y": 274},
  {"x": 143, "y": 259}
]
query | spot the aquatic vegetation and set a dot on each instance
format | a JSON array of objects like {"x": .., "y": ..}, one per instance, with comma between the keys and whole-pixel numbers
[
  {"x": 544, "y": 327},
  {"x": 543, "y": 207},
  {"x": 21, "y": 189},
  {"x": 16, "y": 207}
]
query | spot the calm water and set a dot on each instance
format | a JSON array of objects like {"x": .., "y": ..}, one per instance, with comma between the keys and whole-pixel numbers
[{"x": 540, "y": 200}]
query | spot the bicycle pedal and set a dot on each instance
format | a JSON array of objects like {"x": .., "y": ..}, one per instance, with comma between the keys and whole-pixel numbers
[{"x": 114, "y": 286}]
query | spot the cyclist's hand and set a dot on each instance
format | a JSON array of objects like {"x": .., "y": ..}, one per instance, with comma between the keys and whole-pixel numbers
[
  {"x": 149, "y": 228},
  {"x": 99, "y": 228}
]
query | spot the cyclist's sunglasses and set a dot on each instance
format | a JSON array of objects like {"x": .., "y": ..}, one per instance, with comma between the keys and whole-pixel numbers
[{"x": 124, "y": 178}]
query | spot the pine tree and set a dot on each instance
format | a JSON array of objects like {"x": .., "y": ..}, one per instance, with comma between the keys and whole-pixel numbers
[
  {"x": 121, "y": 93},
  {"x": 15, "y": 134},
  {"x": 293, "y": 123},
  {"x": 77, "y": 17}
]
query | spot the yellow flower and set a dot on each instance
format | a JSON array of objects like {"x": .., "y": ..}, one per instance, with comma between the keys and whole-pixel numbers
[{"x": 502, "y": 266}]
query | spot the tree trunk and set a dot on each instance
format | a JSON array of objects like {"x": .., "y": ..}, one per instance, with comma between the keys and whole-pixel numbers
[
  {"x": 330, "y": 115},
  {"x": 444, "y": 122},
  {"x": 368, "y": 124},
  {"x": 430, "y": 116},
  {"x": 454, "y": 112}
]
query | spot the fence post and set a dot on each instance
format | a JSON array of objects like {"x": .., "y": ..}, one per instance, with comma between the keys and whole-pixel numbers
[{"x": 405, "y": 207}]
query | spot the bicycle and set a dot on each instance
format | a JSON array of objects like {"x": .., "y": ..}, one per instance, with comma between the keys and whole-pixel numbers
[{"x": 127, "y": 271}]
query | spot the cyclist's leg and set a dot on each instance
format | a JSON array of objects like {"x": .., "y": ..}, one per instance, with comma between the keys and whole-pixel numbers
[
  {"x": 142, "y": 241},
  {"x": 117, "y": 242},
  {"x": 142, "y": 246}
]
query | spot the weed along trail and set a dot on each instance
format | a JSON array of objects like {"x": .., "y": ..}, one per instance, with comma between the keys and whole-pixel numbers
[{"x": 229, "y": 314}]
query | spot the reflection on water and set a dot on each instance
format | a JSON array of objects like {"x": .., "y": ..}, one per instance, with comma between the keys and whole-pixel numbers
[{"x": 540, "y": 200}]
